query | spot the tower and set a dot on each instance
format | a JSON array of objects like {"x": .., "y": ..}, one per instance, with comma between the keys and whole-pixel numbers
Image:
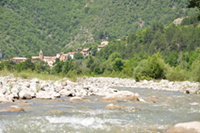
[{"x": 41, "y": 55}]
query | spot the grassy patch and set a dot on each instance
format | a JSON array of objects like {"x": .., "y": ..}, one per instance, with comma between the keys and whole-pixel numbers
[{"x": 31, "y": 74}]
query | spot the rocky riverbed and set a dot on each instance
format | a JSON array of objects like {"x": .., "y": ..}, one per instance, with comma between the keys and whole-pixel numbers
[
  {"x": 12, "y": 88},
  {"x": 184, "y": 86}
]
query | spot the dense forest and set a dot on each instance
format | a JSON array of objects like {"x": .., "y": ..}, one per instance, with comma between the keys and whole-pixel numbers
[{"x": 26, "y": 26}]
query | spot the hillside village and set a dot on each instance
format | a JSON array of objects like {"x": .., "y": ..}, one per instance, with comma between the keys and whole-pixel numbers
[{"x": 50, "y": 60}]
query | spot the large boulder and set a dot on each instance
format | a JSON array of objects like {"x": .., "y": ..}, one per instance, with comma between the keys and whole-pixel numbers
[
  {"x": 43, "y": 95},
  {"x": 189, "y": 127},
  {"x": 25, "y": 94},
  {"x": 15, "y": 91},
  {"x": 12, "y": 109},
  {"x": 4, "y": 99},
  {"x": 121, "y": 95}
]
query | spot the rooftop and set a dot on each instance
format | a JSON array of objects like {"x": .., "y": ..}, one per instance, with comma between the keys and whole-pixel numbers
[
  {"x": 71, "y": 53},
  {"x": 19, "y": 58},
  {"x": 86, "y": 49}
]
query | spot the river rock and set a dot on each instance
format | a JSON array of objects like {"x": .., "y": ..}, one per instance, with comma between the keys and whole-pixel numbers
[
  {"x": 65, "y": 92},
  {"x": 43, "y": 95},
  {"x": 27, "y": 84},
  {"x": 55, "y": 95},
  {"x": 189, "y": 127},
  {"x": 49, "y": 89},
  {"x": 15, "y": 91},
  {"x": 75, "y": 99},
  {"x": 64, "y": 83},
  {"x": 3, "y": 90},
  {"x": 112, "y": 106},
  {"x": 12, "y": 109},
  {"x": 4, "y": 99},
  {"x": 35, "y": 80},
  {"x": 151, "y": 102},
  {"x": 25, "y": 94},
  {"x": 121, "y": 95},
  {"x": 59, "y": 88}
]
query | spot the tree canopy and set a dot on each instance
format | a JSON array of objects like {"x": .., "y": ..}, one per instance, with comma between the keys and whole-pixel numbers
[{"x": 193, "y": 4}]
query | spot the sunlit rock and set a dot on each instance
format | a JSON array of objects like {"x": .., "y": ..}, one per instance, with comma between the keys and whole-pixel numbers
[
  {"x": 43, "y": 95},
  {"x": 151, "y": 102},
  {"x": 4, "y": 99},
  {"x": 64, "y": 83},
  {"x": 75, "y": 99},
  {"x": 3, "y": 90},
  {"x": 121, "y": 95},
  {"x": 112, "y": 106},
  {"x": 65, "y": 92},
  {"x": 35, "y": 80},
  {"x": 189, "y": 127},
  {"x": 12, "y": 109},
  {"x": 25, "y": 94}
]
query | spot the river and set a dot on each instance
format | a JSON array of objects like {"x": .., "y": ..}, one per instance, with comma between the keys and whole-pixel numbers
[{"x": 60, "y": 116}]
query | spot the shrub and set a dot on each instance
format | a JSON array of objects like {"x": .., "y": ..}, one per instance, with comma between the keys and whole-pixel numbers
[
  {"x": 176, "y": 74},
  {"x": 196, "y": 73},
  {"x": 156, "y": 66},
  {"x": 141, "y": 70},
  {"x": 153, "y": 67}
]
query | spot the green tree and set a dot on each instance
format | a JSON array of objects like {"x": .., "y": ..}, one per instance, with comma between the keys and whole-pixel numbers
[
  {"x": 118, "y": 64},
  {"x": 68, "y": 65},
  {"x": 193, "y": 4},
  {"x": 78, "y": 56},
  {"x": 156, "y": 66},
  {"x": 58, "y": 67}
]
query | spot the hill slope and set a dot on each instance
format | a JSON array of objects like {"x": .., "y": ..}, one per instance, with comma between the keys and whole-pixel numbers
[{"x": 53, "y": 25}]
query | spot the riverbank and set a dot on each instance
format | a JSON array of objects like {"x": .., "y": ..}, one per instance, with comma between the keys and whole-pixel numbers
[
  {"x": 182, "y": 86},
  {"x": 18, "y": 88}
]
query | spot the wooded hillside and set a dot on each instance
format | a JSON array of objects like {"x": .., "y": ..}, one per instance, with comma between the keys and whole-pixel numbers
[{"x": 62, "y": 25}]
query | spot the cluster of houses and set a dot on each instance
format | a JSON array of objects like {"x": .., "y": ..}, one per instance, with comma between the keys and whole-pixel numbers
[{"x": 62, "y": 56}]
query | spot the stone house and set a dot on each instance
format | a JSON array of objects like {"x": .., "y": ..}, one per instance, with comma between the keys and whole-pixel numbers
[
  {"x": 18, "y": 59},
  {"x": 71, "y": 54},
  {"x": 85, "y": 51},
  {"x": 63, "y": 57},
  {"x": 59, "y": 54},
  {"x": 50, "y": 60}
]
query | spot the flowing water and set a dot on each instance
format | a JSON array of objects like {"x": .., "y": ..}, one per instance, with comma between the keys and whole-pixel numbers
[{"x": 59, "y": 116}]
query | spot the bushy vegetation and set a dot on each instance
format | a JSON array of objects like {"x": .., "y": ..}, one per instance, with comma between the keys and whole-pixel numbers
[{"x": 27, "y": 26}]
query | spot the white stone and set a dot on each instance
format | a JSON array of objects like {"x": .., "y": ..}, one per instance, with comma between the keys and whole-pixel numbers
[{"x": 43, "y": 95}]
